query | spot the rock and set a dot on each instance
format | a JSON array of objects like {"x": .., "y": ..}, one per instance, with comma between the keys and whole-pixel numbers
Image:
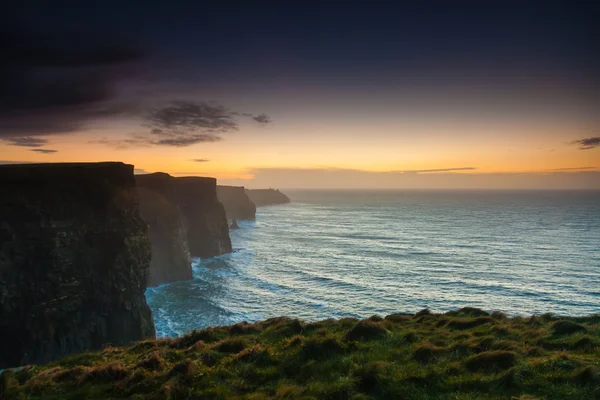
[
  {"x": 236, "y": 202},
  {"x": 167, "y": 230},
  {"x": 74, "y": 257},
  {"x": 234, "y": 225},
  {"x": 208, "y": 232},
  {"x": 265, "y": 197}
]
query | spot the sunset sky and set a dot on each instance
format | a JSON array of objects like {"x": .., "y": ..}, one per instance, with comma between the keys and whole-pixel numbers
[{"x": 352, "y": 94}]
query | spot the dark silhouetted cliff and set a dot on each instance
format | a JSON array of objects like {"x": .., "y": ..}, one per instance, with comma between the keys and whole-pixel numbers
[
  {"x": 265, "y": 197},
  {"x": 167, "y": 229},
  {"x": 237, "y": 204},
  {"x": 208, "y": 232},
  {"x": 74, "y": 258}
]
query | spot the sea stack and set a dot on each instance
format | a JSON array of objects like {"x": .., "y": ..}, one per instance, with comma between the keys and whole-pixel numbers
[
  {"x": 167, "y": 229},
  {"x": 74, "y": 260},
  {"x": 236, "y": 202},
  {"x": 266, "y": 197},
  {"x": 207, "y": 229}
]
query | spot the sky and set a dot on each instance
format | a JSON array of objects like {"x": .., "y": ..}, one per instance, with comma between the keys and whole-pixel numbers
[{"x": 423, "y": 94}]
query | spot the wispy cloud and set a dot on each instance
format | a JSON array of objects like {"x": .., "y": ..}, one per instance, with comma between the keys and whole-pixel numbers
[
  {"x": 424, "y": 171},
  {"x": 588, "y": 143},
  {"x": 200, "y": 160},
  {"x": 572, "y": 169},
  {"x": 182, "y": 124},
  {"x": 26, "y": 141},
  {"x": 45, "y": 151}
]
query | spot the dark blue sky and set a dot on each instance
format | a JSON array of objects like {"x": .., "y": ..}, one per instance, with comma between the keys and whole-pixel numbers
[{"x": 343, "y": 40}]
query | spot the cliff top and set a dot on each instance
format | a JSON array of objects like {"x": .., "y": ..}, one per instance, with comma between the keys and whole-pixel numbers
[
  {"x": 116, "y": 173},
  {"x": 467, "y": 354}
]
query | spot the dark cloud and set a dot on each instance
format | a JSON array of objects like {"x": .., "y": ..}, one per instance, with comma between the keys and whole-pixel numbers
[
  {"x": 55, "y": 81},
  {"x": 588, "y": 143},
  {"x": 200, "y": 160},
  {"x": 45, "y": 151},
  {"x": 26, "y": 141},
  {"x": 262, "y": 119},
  {"x": 420, "y": 171},
  {"x": 184, "y": 123}
]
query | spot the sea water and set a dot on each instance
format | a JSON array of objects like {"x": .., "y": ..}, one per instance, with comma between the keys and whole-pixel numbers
[{"x": 358, "y": 253}]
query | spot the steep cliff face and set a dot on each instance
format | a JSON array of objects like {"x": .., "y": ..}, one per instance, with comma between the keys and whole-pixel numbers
[
  {"x": 208, "y": 233},
  {"x": 265, "y": 197},
  {"x": 237, "y": 204},
  {"x": 167, "y": 230},
  {"x": 74, "y": 256}
]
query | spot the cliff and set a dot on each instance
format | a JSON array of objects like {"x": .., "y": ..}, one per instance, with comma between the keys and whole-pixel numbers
[
  {"x": 167, "y": 230},
  {"x": 265, "y": 197},
  {"x": 74, "y": 257},
  {"x": 236, "y": 202},
  {"x": 208, "y": 233}
]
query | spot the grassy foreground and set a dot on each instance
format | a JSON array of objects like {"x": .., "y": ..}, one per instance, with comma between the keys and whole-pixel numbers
[{"x": 464, "y": 354}]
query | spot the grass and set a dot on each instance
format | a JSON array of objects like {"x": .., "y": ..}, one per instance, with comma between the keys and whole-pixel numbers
[{"x": 464, "y": 354}]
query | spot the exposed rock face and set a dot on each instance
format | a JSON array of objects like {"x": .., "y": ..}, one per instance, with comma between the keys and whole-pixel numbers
[
  {"x": 265, "y": 197},
  {"x": 208, "y": 233},
  {"x": 74, "y": 257},
  {"x": 237, "y": 204},
  {"x": 167, "y": 230}
]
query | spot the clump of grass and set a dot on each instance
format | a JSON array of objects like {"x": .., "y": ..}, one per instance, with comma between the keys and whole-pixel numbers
[
  {"x": 366, "y": 330},
  {"x": 321, "y": 347},
  {"x": 468, "y": 312},
  {"x": 423, "y": 312},
  {"x": 587, "y": 376},
  {"x": 186, "y": 368},
  {"x": 402, "y": 356},
  {"x": 491, "y": 360},
  {"x": 243, "y": 328},
  {"x": 427, "y": 352},
  {"x": 231, "y": 345},
  {"x": 566, "y": 327},
  {"x": 370, "y": 376},
  {"x": 109, "y": 372},
  {"x": 154, "y": 362},
  {"x": 399, "y": 318},
  {"x": 468, "y": 323}
]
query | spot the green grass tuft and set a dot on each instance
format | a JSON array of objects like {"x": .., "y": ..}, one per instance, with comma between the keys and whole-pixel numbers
[
  {"x": 465, "y": 354},
  {"x": 565, "y": 327},
  {"x": 366, "y": 330}
]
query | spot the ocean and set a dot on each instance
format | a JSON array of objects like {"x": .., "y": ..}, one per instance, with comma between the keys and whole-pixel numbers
[{"x": 332, "y": 254}]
